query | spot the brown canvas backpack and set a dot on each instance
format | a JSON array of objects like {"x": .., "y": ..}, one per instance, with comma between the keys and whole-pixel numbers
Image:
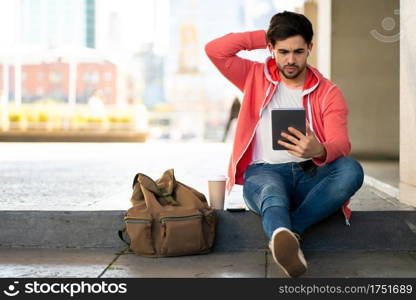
[{"x": 168, "y": 218}]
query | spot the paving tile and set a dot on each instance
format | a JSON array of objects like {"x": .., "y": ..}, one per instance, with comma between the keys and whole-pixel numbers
[
  {"x": 212, "y": 265},
  {"x": 38, "y": 262},
  {"x": 370, "y": 199},
  {"x": 354, "y": 264}
]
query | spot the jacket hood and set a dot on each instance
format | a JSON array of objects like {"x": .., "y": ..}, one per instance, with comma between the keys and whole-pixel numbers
[{"x": 313, "y": 76}]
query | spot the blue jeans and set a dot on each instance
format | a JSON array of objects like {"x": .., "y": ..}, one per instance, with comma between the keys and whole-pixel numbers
[{"x": 285, "y": 195}]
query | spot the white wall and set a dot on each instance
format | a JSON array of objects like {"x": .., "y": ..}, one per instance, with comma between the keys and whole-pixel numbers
[
  {"x": 407, "y": 102},
  {"x": 323, "y": 41}
]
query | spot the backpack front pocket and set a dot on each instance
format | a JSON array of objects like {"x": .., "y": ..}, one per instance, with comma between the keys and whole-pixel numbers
[
  {"x": 182, "y": 232},
  {"x": 139, "y": 230}
]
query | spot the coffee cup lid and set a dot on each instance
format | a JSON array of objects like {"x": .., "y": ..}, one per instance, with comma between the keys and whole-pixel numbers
[{"x": 217, "y": 178}]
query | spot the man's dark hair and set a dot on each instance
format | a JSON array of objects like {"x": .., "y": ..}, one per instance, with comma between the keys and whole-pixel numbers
[{"x": 287, "y": 24}]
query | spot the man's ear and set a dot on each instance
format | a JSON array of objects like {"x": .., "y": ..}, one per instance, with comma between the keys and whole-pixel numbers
[
  {"x": 270, "y": 47},
  {"x": 310, "y": 46}
]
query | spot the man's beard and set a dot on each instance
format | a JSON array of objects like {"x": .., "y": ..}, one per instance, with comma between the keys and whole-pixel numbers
[{"x": 293, "y": 74}]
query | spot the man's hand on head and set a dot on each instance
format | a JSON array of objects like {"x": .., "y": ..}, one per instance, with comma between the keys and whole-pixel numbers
[{"x": 304, "y": 146}]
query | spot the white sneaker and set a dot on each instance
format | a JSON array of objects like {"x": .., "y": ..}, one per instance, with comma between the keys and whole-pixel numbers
[{"x": 286, "y": 252}]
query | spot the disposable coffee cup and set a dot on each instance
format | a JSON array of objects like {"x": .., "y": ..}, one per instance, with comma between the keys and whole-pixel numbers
[{"x": 216, "y": 191}]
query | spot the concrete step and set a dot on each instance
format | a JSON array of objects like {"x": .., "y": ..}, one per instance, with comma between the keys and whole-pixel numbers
[{"x": 237, "y": 231}]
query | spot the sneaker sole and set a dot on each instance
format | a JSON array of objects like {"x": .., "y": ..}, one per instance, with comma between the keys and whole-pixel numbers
[{"x": 287, "y": 254}]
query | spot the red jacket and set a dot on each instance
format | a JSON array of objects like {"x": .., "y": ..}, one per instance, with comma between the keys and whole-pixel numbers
[{"x": 325, "y": 106}]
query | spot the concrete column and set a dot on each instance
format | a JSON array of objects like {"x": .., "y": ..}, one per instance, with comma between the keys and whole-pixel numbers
[
  {"x": 6, "y": 84},
  {"x": 72, "y": 83},
  {"x": 323, "y": 36},
  {"x": 407, "y": 102},
  {"x": 18, "y": 56},
  {"x": 18, "y": 81},
  {"x": 4, "y": 101},
  {"x": 319, "y": 13},
  {"x": 310, "y": 10}
]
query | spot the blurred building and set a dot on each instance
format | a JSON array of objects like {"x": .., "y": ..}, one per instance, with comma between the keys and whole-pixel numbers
[
  {"x": 92, "y": 76},
  {"x": 51, "y": 81},
  {"x": 190, "y": 76},
  {"x": 46, "y": 27},
  {"x": 129, "y": 34},
  {"x": 56, "y": 23},
  {"x": 151, "y": 69},
  {"x": 90, "y": 23}
]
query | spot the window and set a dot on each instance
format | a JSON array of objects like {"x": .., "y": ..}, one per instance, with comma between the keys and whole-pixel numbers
[
  {"x": 40, "y": 76},
  {"x": 108, "y": 76},
  {"x": 55, "y": 77},
  {"x": 92, "y": 77},
  {"x": 39, "y": 91}
]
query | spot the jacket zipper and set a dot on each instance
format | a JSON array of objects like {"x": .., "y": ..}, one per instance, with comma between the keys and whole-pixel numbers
[{"x": 252, "y": 135}]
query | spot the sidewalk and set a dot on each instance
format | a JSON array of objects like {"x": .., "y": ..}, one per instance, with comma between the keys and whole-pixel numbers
[
  {"x": 106, "y": 263},
  {"x": 74, "y": 179},
  {"x": 98, "y": 176}
]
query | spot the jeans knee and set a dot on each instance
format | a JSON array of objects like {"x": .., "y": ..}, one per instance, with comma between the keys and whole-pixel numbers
[
  {"x": 351, "y": 171},
  {"x": 270, "y": 191},
  {"x": 270, "y": 197}
]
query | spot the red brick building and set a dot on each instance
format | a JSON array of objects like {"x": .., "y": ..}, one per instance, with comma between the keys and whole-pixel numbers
[{"x": 50, "y": 80}]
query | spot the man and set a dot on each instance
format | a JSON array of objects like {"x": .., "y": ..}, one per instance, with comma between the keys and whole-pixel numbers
[{"x": 294, "y": 188}]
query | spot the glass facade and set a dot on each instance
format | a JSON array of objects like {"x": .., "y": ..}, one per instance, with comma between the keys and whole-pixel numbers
[{"x": 90, "y": 23}]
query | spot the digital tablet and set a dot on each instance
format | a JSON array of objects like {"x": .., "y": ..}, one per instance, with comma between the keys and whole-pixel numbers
[{"x": 282, "y": 119}]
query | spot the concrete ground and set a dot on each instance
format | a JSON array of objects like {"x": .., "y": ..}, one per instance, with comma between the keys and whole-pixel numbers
[
  {"x": 108, "y": 263},
  {"x": 87, "y": 176},
  {"x": 98, "y": 176},
  {"x": 386, "y": 171}
]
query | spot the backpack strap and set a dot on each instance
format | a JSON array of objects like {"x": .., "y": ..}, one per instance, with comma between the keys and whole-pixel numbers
[
  {"x": 135, "y": 180},
  {"x": 120, "y": 235}
]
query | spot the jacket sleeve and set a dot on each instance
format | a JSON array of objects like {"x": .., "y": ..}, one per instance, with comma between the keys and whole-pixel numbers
[
  {"x": 335, "y": 122},
  {"x": 223, "y": 53}
]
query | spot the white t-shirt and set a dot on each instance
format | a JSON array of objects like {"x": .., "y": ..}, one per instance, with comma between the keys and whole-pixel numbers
[{"x": 285, "y": 97}]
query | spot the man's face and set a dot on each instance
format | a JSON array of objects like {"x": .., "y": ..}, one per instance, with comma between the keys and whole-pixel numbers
[{"x": 291, "y": 55}]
